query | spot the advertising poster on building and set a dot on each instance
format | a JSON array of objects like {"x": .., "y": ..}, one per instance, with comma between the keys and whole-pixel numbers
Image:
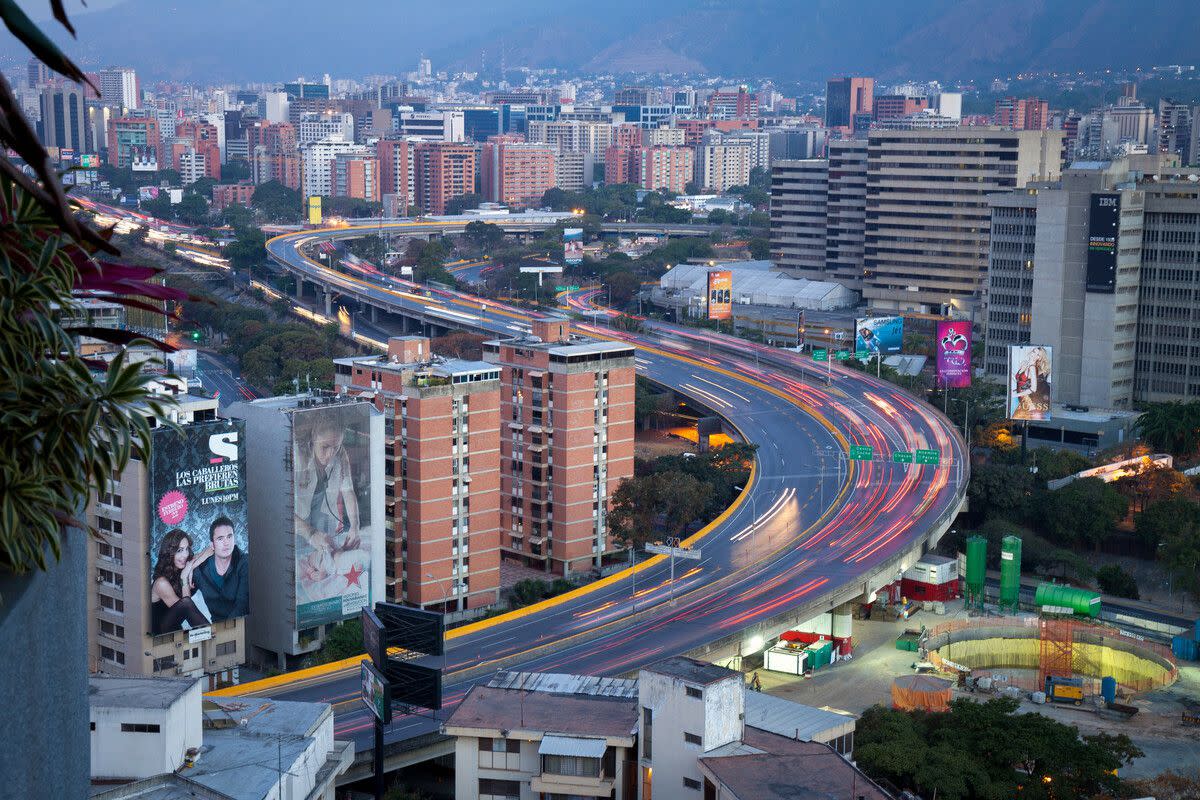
[
  {"x": 314, "y": 210},
  {"x": 1103, "y": 224},
  {"x": 147, "y": 193},
  {"x": 572, "y": 245},
  {"x": 879, "y": 336},
  {"x": 954, "y": 354},
  {"x": 331, "y": 458},
  {"x": 1029, "y": 381},
  {"x": 720, "y": 294},
  {"x": 199, "y": 543}
]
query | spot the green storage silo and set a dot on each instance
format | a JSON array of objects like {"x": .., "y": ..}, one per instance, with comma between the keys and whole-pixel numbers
[
  {"x": 976, "y": 570},
  {"x": 1010, "y": 573},
  {"x": 1054, "y": 598}
]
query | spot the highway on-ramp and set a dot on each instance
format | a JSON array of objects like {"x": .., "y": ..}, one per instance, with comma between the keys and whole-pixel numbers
[{"x": 812, "y": 525}]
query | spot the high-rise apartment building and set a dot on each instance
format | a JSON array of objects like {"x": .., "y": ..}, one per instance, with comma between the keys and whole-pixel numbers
[
  {"x": 593, "y": 138},
  {"x": 566, "y": 414},
  {"x": 845, "y": 99},
  {"x": 315, "y": 158},
  {"x": 314, "y": 127},
  {"x": 442, "y": 423},
  {"x": 135, "y": 142},
  {"x": 927, "y": 215},
  {"x": 758, "y": 142},
  {"x": 515, "y": 172},
  {"x": 635, "y": 96},
  {"x": 890, "y": 106},
  {"x": 1022, "y": 114},
  {"x": 397, "y": 173},
  {"x": 720, "y": 165},
  {"x": 119, "y": 88},
  {"x": 64, "y": 119},
  {"x": 37, "y": 73},
  {"x": 127, "y": 630},
  {"x": 739, "y": 103},
  {"x": 1174, "y": 133},
  {"x": 355, "y": 174},
  {"x": 573, "y": 171},
  {"x": 846, "y": 212},
  {"x": 443, "y": 171},
  {"x": 793, "y": 144},
  {"x": 445, "y": 126},
  {"x": 272, "y": 153},
  {"x": 199, "y": 143},
  {"x": 662, "y": 167},
  {"x": 799, "y": 197}
]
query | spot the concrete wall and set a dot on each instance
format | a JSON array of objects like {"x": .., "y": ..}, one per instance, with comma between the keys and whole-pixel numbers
[
  {"x": 43, "y": 670},
  {"x": 135, "y": 755}
]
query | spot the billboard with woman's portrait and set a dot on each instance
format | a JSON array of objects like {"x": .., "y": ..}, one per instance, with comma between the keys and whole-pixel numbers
[
  {"x": 199, "y": 542},
  {"x": 331, "y": 481},
  {"x": 1030, "y": 371}
]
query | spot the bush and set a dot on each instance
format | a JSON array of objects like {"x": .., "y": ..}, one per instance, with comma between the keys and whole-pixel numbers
[{"x": 1116, "y": 581}]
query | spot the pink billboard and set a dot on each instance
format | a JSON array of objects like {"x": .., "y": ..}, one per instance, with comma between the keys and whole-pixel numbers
[{"x": 954, "y": 354}]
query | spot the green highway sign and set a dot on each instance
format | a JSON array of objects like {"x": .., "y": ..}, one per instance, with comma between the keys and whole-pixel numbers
[
  {"x": 843, "y": 355},
  {"x": 862, "y": 355},
  {"x": 820, "y": 354},
  {"x": 566, "y": 288},
  {"x": 861, "y": 452},
  {"x": 931, "y": 457},
  {"x": 902, "y": 457}
]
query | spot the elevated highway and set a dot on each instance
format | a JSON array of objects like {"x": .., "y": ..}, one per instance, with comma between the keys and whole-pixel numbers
[{"x": 811, "y": 531}]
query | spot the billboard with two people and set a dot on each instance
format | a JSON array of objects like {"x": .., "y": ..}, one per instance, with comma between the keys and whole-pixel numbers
[{"x": 199, "y": 543}]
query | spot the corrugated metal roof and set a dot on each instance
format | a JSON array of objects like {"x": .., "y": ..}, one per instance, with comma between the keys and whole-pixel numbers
[
  {"x": 758, "y": 286},
  {"x": 561, "y": 683},
  {"x": 571, "y": 746},
  {"x": 793, "y": 720}
]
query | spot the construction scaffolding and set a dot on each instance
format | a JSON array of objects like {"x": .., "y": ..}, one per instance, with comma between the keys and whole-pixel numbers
[{"x": 1057, "y": 657}]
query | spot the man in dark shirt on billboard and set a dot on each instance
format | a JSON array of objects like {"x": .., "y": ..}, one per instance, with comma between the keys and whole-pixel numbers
[{"x": 224, "y": 578}]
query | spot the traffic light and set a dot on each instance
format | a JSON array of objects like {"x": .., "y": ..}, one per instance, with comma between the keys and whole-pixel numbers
[{"x": 196, "y": 336}]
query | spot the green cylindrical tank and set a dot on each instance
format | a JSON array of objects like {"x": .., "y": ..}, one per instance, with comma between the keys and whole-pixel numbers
[
  {"x": 976, "y": 570},
  {"x": 1078, "y": 601},
  {"x": 1010, "y": 573}
]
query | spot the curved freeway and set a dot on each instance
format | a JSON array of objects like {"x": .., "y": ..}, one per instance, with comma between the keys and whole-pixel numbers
[{"x": 812, "y": 531}]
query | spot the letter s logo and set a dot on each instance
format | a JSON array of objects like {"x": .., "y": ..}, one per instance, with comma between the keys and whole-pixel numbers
[{"x": 224, "y": 444}]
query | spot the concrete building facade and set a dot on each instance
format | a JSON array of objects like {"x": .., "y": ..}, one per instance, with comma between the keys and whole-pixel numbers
[{"x": 442, "y": 171}]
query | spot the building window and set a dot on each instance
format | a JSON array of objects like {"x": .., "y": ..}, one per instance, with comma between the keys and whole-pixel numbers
[
  {"x": 692, "y": 738},
  {"x": 692, "y": 691},
  {"x": 647, "y": 732},
  {"x": 112, "y": 655},
  {"x": 487, "y": 745},
  {"x": 691, "y": 783},
  {"x": 112, "y": 629},
  {"x": 573, "y": 766},
  {"x": 226, "y": 648},
  {"x": 499, "y": 790},
  {"x": 139, "y": 727}
]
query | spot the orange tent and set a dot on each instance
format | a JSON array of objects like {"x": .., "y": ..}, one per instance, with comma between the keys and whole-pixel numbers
[{"x": 912, "y": 692}]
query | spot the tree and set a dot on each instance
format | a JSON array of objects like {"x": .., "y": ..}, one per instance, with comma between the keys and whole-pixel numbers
[
  {"x": 457, "y": 205},
  {"x": 344, "y": 641},
  {"x": 1113, "y": 580},
  {"x": 483, "y": 235},
  {"x": 1154, "y": 485},
  {"x": 236, "y": 216},
  {"x": 1000, "y": 490},
  {"x": 248, "y": 249},
  {"x": 623, "y": 286},
  {"x": 1083, "y": 512},
  {"x": 1172, "y": 427},
  {"x": 192, "y": 209},
  {"x": 760, "y": 248},
  {"x": 633, "y": 511},
  {"x": 1166, "y": 520},
  {"x": 235, "y": 170},
  {"x": 201, "y": 186},
  {"x": 158, "y": 207},
  {"x": 277, "y": 203},
  {"x": 719, "y": 216}
]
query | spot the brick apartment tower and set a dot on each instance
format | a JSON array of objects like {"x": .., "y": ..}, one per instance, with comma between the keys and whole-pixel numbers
[
  {"x": 566, "y": 414},
  {"x": 442, "y": 451},
  {"x": 444, "y": 170},
  {"x": 846, "y": 98},
  {"x": 273, "y": 156},
  {"x": 515, "y": 172}
]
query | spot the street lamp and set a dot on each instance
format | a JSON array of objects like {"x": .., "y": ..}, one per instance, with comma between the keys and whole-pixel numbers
[
  {"x": 966, "y": 412},
  {"x": 445, "y": 594}
]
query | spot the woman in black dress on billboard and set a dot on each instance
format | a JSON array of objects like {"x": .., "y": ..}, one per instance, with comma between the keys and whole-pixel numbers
[{"x": 171, "y": 590}]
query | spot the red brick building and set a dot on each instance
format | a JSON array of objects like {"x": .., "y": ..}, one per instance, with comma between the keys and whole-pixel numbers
[
  {"x": 566, "y": 414},
  {"x": 354, "y": 175},
  {"x": 442, "y": 171},
  {"x": 1023, "y": 114},
  {"x": 397, "y": 169},
  {"x": 894, "y": 106},
  {"x": 443, "y": 472},
  {"x": 200, "y": 138},
  {"x": 273, "y": 155},
  {"x": 134, "y": 141},
  {"x": 227, "y": 194},
  {"x": 739, "y": 104},
  {"x": 515, "y": 172},
  {"x": 665, "y": 167}
]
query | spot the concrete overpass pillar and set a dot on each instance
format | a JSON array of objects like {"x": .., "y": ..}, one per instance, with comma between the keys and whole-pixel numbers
[
  {"x": 299, "y": 288},
  {"x": 374, "y": 313},
  {"x": 328, "y": 303}
]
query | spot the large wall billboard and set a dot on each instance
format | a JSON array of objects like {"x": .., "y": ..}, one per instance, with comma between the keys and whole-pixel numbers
[
  {"x": 1103, "y": 224},
  {"x": 573, "y": 245},
  {"x": 199, "y": 543},
  {"x": 1030, "y": 369},
  {"x": 720, "y": 294},
  {"x": 331, "y": 459},
  {"x": 954, "y": 354},
  {"x": 879, "y": 335}
]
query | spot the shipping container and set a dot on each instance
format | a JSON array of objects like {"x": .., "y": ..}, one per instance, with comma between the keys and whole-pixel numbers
[
  {"x": 1064, "y": 690},
  {"x": 818, "y": 654},
  {"x": 1080, "y": 602},
  {"x": 1185, "y": 648},
  {"x": 789, "y": 660}
]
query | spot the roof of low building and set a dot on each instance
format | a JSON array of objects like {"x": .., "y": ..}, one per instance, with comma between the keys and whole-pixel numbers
[
  {"x": 491, "y": 708},
  {"x": 167, "y": 786},
  {"x": 785, "y": 718},
  {"x": 692, "y": 670},
  {"x": 136, "y": 692}
]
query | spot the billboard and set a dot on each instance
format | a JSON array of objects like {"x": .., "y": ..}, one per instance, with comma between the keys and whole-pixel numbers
[
  {"x": 954, "y": 354},
  {"x": 199, "y": 543},
  {"x": 720, "y": 294},
  {"x": 879, "y": 335},
  {"x": 147, "y": 193},
  {"x": 1103, "y": 221},
  {"x": 331, "y": 484},
  {"x": 314, "y": 210},
  {"x": 376, "y": 693},
  {"x": 572, "y": 245},
  {"x": 1030, "y": 369}
]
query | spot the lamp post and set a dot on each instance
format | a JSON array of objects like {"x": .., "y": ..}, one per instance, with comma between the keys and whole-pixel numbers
[{"x": 966, "y": 412}]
